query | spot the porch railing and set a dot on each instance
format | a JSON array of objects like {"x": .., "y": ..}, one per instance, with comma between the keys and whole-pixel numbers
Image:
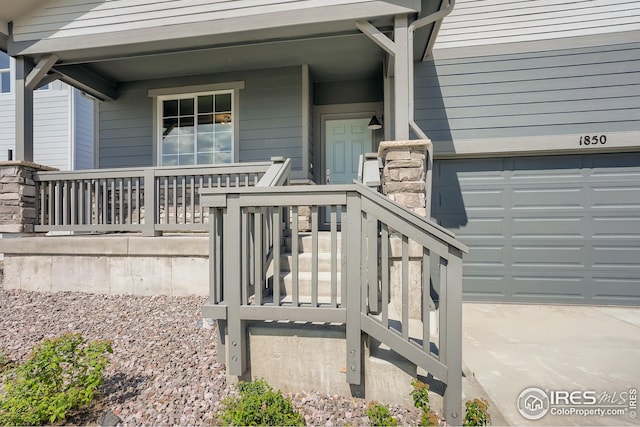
[
  {"x": 372, "y": 241},
  {"x": 147, "y": 200}
]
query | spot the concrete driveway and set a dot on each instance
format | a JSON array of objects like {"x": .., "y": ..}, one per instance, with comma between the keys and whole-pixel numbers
[{"x": 577, "y": 361}]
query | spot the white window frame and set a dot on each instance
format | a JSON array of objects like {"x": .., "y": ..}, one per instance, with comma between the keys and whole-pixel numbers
[
  {"x": 160, "y": 95},
  {"x": 10, "y": 72}
]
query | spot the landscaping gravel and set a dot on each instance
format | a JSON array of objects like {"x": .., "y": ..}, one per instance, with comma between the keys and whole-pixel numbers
[{"x": 164, "y": 369}]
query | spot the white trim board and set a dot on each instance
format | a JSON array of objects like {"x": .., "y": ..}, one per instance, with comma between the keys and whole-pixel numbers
[{"x": 536, "y": 145}]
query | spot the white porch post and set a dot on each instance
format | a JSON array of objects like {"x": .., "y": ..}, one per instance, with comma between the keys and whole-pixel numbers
[
  {"x": 401, "y": 78},
  {"x": 24, "y": 111}
]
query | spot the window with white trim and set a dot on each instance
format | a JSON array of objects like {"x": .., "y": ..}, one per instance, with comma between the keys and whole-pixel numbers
[
  {"x": 196, "y": 128},
  {"x": 5, "y": 73}
]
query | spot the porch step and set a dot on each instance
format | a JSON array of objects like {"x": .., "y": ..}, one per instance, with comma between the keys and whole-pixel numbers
[
  {"x": 304, "y": 284},
  {"x": 305, "y": 262},
  {"x": 305, "y": 242}
]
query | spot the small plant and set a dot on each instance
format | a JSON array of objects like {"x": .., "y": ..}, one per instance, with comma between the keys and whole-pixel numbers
[
  {"x": 4, "y": 360},
  {"x": 477, "y": 413},
  {"x": 259, "y": 405},
  {"x": 379, "y": 415},
  {"x": 420, "y": 395},
  {"x": 60, "y": 375}
]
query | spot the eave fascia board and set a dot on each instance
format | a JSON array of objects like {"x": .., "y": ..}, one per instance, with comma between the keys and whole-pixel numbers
[{"x": 88, "y": 81}]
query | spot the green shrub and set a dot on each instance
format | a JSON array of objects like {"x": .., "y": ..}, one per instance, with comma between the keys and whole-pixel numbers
[
  {"x": 379, "y": 415},
  {"x": 420, "y": 395},
  {"x": 259, "y": 405},
  {"x": 60, "y": 375},
  {"x": 477, "y": 413}
]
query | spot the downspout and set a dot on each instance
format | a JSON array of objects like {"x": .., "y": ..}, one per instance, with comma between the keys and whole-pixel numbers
[{"x": 419, "y": 23}]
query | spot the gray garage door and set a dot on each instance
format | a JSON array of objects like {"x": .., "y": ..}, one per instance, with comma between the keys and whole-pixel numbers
[{"x": 562, "y": 229}]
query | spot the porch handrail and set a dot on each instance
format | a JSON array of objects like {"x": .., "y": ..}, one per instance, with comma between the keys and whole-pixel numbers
[
  {"x": 378, "y": 236},
  {"x": 121, "y": 199}
]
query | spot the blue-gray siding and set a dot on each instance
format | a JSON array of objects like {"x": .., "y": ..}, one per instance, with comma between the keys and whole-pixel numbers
[
  {"x": 84, "y": 133},
  {"x": 563, "y": 229},
  {"x": 484, "y": 22},
  {"x": 537, "y": 93},
  {"x": 270, "y": 118}
]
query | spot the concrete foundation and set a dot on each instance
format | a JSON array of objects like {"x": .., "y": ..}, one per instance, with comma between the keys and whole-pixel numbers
[
  {"x": 112, "y": 264},
  {"x": 310, "y": 357}
]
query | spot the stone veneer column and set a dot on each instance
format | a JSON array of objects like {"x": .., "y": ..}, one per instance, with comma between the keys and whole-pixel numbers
[
  {"x": 405, "y": 180},
  {"x": 18, "y": 196},
  {"x": 404, "y": 175}
]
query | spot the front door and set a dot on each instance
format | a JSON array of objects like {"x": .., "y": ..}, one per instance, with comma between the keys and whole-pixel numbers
[{"x": 346, "y": 140}]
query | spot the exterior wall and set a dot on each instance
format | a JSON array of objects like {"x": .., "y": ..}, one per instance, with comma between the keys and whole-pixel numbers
[
  {"x": 270, "y": 118},
  {"x": 51, "y": 125},
  {"x": 483, "y": 22},
  {"x": 532, "y": 77},
  {"x": 83, "y": 132}
]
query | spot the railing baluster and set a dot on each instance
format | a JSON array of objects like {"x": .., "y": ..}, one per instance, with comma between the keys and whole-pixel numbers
[
  {"x": 344, "y": 256},
  {"x": 50, "y": 203},
  {"x": 96, "y": 202},
  {"x": 175, "y": 200},
  {"x": 129, "y": 217},
  {"x": 334, "y": 256},
  {"x": 65, "y": 203},
  {"x": 105, "y": 205},
  {"x": 112, "y": 204},
  {"x": 192, "y": 182},
  {"x": 384, "y": 271},
  {"x": 314, "y": 255},
  {"x": 244, "y": 242},
  {"x": 73, "y": 202},
  {"x": 58, "y": 202},
  {"x": 405, "y": 287},
  {"x": 121, "y": 200},
  {"x": 259, "y": 255},
  {"x": 426, "y": 300},
  {"x": 372, "y": 262},
  {"x": 183, "y": 185},
  {"x": 276, "y": 255},
  {"x": 201, "y": 185},
  {"x": 81, "y": 206},
  {"x": 442, "y": 307},
  {"x": 295, "y": 280}
]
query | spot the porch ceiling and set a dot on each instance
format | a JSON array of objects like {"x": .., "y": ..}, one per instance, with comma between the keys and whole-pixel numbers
[{"x": 345, "y": 56}]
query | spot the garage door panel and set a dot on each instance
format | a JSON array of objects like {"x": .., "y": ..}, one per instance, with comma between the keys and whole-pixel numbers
[
  {"x": 537, "y": 283},
  {"x": 484, "y": 285},
  {"x": 615, "y": 227},
  {"x": 609, "y": 288},
  {"x": 486, "y": 255},
  {"x": 615, "y": 256},
  {"x": 607, "y": 197},
  {"x": 453, "y": 200},
  {"x": 549, "y": 229},
  {"x": 547, "y": 256},
  {"x": 545, "y": 198}
]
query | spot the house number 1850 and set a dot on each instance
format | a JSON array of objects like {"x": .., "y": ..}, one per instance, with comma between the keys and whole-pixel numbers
[{"x": 593, "y": 139}]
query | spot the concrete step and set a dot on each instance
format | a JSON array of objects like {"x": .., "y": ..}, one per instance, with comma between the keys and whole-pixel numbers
[
  {"x": 305, "y": 262},
  {"x": 304, "y": 284},
  {"x": 305, "y": 242}
]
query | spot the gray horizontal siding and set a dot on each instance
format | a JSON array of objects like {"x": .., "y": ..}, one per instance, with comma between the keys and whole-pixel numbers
[
  {"x": 482, "y": 22},
  {"x": 51, "y": 129},
  {"x": 269, "y": 108},
  {"x": 530, "y": 94},
  {"x": 84, "y": 131}
]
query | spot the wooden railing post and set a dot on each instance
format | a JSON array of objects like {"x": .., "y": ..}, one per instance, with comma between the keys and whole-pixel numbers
[
  {"x": 232, "y": 270},
  {"x": 150, "y": 204},
  {"x": 453, "y": 338},
  {"x": 353, "y": 228}
]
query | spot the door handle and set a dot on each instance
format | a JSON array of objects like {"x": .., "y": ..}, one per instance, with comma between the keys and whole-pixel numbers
[{"x": 327, "y": 177}]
